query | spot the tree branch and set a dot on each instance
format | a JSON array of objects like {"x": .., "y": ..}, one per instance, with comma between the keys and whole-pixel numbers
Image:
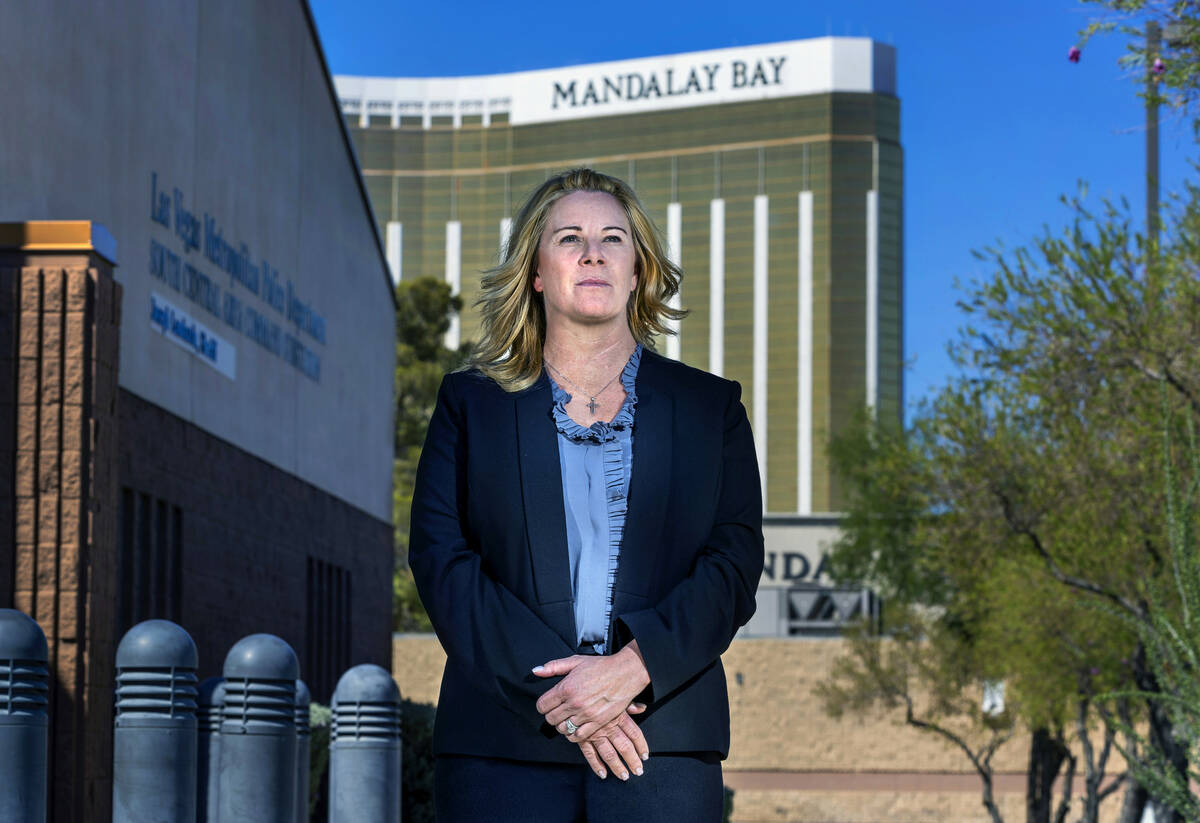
[
  {"x": 1165, "y": 376},
  {"x": 1055, "y": 570},
  {"x": 1117, "y": 782},
  {"x": 1085, "y": 740},
  {"x": 911, "y": 719},
  {"x": 983, "y": 767},
  {"x": 1109, "y": 734},
  {"x": 1064, "y": 806}
]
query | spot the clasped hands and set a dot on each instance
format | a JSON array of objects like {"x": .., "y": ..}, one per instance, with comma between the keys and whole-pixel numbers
[{"x": 596, "y": 694}]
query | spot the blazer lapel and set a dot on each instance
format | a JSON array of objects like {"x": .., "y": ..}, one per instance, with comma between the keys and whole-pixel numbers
[
  {"x": 650, "y": 486},
  {"x": 545, "y": 515}
]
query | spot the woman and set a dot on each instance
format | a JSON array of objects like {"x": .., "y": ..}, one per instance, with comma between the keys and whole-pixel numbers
[{"x": 586, "y": 533}]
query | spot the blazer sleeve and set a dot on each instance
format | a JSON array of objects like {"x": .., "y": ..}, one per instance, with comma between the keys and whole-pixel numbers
[
  {"x": 487, "y": 631},
  {"x": 695, "y": 622}
]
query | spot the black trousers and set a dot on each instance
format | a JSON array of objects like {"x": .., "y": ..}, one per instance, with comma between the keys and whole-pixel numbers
[{"x": 682, "y": 788}]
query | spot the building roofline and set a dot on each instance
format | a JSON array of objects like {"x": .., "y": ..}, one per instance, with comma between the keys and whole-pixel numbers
[
  {"x": 341, "y": 121},
  {"x": 603, "y": 64}
]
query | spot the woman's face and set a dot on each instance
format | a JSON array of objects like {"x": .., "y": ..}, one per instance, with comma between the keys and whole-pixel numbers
[{"x": 586, "y": 260}]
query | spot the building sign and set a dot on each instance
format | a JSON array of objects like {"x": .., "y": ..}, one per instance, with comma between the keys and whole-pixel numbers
[
  {"x": 786, "y": 568},
  {"x": 697, "y": 79},
  {"x": 254, "y": 299},
  {"x": 796, "y": 552},
  {"x": 788, "y": 69},
  {"x": 181, "y": 329},
  {"x": 705, "y": 78}
]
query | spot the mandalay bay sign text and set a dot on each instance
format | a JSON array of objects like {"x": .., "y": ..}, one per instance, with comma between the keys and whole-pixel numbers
[
  {"x": 638, "y": 85},
  {"x": 704, "y": 78}
]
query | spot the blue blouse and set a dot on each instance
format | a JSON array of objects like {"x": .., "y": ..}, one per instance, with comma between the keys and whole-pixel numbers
[{"x": 596, "y": 463}]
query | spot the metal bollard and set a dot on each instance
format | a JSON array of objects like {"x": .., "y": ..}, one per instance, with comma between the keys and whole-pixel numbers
[
  {"x": 364, "y": 751},
  {"x": 154, "y": 740},
  {"x": 208, "y": 747},
  {"x": 303, "y": 736},
  {"x": 258, "y": 732},
  {"x": 24, "y": 691}
]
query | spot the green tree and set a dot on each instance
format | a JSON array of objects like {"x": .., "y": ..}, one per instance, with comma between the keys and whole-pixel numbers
[
  {"x": 1169, "y": 636},
  {"x": 951, "y": 627},
  {"x": 424, "y": 308},
  {"x": 1027, "y": 491},
  {"x": 1073, "y": 344}
]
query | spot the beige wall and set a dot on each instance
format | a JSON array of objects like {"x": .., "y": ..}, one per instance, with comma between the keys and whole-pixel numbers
[
  {"x": 777, "y": 722},
  {"x": 790, "y": 762}
]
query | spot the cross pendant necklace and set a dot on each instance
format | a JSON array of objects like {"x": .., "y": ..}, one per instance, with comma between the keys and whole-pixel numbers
[{"x": 592, "y": 404}]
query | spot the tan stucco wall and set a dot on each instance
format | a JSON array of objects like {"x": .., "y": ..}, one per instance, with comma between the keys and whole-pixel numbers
[
  {"x": 777, "y": 722},
  {"x": 417, "y": 662}
]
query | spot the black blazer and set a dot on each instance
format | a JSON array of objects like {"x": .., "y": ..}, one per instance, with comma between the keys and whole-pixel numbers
[{"x": 488, "y": 550}]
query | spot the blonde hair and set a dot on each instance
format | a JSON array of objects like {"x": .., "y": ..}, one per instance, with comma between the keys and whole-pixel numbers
[{"x": 513, "y": 315}]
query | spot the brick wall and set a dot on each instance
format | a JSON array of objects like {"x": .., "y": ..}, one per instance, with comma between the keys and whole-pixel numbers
[
  {"x": 59, "y": 320},
  {"x": 248, "y": 530}
]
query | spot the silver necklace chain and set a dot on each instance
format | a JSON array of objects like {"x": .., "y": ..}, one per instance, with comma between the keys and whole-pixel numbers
[{"x": 592, "y": 404}]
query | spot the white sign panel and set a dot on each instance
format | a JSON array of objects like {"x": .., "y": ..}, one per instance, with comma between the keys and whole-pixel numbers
[
  {"x": 797, "y": 551},
  {"x": 181, "y": 329},
  {"x": 787, "y": 69}
]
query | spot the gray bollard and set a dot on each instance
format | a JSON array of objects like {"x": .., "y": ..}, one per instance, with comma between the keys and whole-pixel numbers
[
  {"x": 24, "y": 691},
  {"x": 154, "y": 740},
  {"x": 208, "y": 747},
  {"x": 258, "y": 732},
  {"x": 364, "y": 751},
  {"x": 303, "y": 736},
  {"x": 330, "y": 787}
]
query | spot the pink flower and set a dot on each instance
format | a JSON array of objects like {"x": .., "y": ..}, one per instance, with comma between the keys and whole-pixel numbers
[
  {"x": 1073, "y": 54},
  {"x": 1159, "y": 66}
]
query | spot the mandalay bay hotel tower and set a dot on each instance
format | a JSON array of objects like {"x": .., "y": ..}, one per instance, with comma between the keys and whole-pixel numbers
[{"x": 776, "y": 174}]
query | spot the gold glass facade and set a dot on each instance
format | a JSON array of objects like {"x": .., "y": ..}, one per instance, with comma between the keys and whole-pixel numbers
[{"x": 839, "y": 147}]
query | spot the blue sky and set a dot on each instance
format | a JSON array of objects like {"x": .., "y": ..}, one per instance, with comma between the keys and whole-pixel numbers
[{"x": 996, "y": 123}]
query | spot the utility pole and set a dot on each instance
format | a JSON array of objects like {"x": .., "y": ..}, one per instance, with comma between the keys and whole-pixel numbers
[{"x": 1153, "y": 46}]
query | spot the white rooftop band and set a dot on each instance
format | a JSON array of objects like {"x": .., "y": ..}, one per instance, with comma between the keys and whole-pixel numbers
[{"x": 773, "y": 70}]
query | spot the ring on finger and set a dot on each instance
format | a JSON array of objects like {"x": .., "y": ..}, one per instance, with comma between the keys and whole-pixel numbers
[{"x": 571, "y": 727}]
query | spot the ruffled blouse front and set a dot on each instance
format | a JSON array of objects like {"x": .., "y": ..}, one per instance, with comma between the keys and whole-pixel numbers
[{"x": 596, "y": 463}]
